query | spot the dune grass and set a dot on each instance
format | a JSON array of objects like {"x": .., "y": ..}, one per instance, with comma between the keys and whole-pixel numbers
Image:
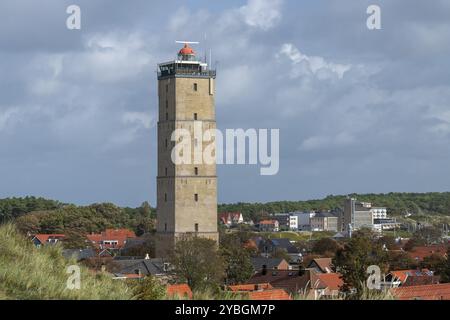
[{"x": 27, "y": 272}]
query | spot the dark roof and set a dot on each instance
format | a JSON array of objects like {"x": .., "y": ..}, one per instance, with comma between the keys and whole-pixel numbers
[
  {"x": 289, "y": 280},
  {"x": 325, "y": 215},
  {"x": 270, "y": 263},
  {"x": 325, "y": 265},
  {"x": 79, "y": 254},
  {"x": 284, "y": 244},
  {"x": 145, "y": 266}
]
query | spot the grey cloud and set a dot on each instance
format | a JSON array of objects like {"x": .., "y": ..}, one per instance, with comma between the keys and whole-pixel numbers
[{"x": 358, "y": 110}]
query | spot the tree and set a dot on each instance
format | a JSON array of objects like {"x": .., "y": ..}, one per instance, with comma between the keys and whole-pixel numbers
[
  {"x": 197, "y": 261},
  {"x": 238, "y": 266},
  {"x": 281, "y": 254},
  {"x": 433, "y": 262},
  {"x": 146, "y": 246},
  {"x": 412, "y": 243},
  {"x": 28, "y": 224},
  {"x": 445, "y": 268},
  {"x": 75, "y": 239},
  {"x": 428, "y": 235},
  {"x": 149, "y": 288},
  {"x": 389, "y": 242},
  {"x": 400, "y": 261},
  {"x": 352, "y": 261},
  {"x": 325, "y": 246}
]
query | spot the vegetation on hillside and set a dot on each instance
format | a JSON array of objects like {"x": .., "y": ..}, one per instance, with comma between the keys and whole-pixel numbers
[
  {"x": 42, "y": 215},
  {"x": 419, "y": 204},
  {"x": 11, "y": 208},
  {"x": 27, "y": 272},
  {"x": 86, "y": 219}
]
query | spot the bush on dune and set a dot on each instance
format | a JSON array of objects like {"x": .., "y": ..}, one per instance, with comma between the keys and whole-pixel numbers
[{"x": 27, "y": 272}]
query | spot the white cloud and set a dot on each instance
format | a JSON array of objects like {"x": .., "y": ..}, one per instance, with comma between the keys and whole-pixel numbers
[
  {"x": 311, "y": 64},
  {"x": 262, "y": 14},
  {"x": 112, "y": 57}
]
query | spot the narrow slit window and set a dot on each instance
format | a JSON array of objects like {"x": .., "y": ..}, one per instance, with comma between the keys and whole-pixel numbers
[
  {"x": 196, "y": 227},
  {"x": 195, "y": 87},
  {"x": 195, "y": 116},
  {"x": 165, "y": 197},
  {"x": 196, "y": 171},
  {"x": 196, "y": 197}
]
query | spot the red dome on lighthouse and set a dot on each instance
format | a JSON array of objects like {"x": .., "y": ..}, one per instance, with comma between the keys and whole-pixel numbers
[{"x": 186, "y": 50}]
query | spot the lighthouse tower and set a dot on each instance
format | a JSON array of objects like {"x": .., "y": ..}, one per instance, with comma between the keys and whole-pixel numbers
[{"x": 187, "y": 192}]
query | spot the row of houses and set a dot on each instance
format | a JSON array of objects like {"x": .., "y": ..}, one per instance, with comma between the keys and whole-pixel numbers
[{"x": 104, "y": 244}]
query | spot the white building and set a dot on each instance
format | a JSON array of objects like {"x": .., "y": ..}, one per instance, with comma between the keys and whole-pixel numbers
[
  {"x": 379, "y": 213},
  {"x": 293, "y": 222},
  {"x": 303, "y": 220}
]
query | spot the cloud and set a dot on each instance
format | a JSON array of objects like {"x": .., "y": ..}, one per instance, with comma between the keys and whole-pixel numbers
[
  {"x": 79, "y": 108},
  {"x": 311, "y": 64},
  {"x": 262, "y": 14}
]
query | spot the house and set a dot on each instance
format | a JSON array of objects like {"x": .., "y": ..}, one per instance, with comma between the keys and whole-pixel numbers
[
  {"x": 79, "y": 254},
  {"x": 179, "y": 291},
  {"x": 111, "y": 238},
  {"x": 423, "y": 292},
  {"x": 144, "y": 267},
  {"x": 304, "y": 220},
  {"x": 307, "y": 283},
  {"x": 127, "y": 276},
  {"x": 321, "y": 265},
  {"x": 250, "y": 287},
  {"x": 273, "y": 294},
  {"x": 269, "y": 226},
  {"x": 339, "y": 236},
  {"x": 330, "y": 284},
  {"x": 407, "y": 278},
  {"x": 260, "y": 291},
  {"x": 46, "y": 239},
  {"x": 270, "y": 246},
  {"x": 419, "y": 253},
  {"x": 283, "y": 220},
  {"x": 231, "y": 219},
  {"x": 260, "y": 263},
  {"x": 324, "y": 221}
]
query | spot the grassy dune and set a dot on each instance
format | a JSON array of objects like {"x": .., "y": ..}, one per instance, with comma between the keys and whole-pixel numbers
[{"x": 27, "y": 272}]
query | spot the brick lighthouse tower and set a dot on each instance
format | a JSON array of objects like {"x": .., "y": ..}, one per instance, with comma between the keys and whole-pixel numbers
[{"x": 187, "y": 192}]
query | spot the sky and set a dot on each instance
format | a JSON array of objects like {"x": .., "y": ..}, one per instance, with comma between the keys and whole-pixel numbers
[{"x": 359, "y": 110}]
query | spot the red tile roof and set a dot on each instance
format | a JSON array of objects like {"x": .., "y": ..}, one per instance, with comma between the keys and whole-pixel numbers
[
  {"x": 419, "y": 253},
  {"x": 250, "y": 287},
  {"x": 268, "y": 222},
  {"x": 179, "y": 290},
  {"x": 425, "y": 292},
  {"x": 272, "y": 294},
  {"x": 43, "y": 238},
  {"x": 402, "y": 275},
  {"x": 331, "y": 281},
  {"x": 119, "y": 235}
]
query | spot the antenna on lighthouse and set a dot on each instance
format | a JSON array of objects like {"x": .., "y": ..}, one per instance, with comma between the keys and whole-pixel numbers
[{"x": 187, "y": 42}]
